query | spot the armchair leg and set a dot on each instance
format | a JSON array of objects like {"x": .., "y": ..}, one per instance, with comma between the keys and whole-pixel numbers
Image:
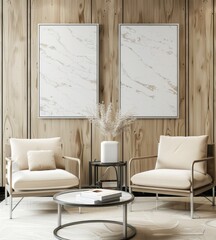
[
  {"x": 156, "y": 196},
  {"x": 130, "y": 204},
  {"x": 5, "y": 195},
  {"x": 191, "y": 205},
  {"x": 11, "y": 206},
  {"x": 213, "y": 196},
  {"x": 156, "y": 203}
]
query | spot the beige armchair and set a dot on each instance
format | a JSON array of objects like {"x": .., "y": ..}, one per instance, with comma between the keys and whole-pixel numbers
[
  {"x": 185, "y": 166},
  {"x": 36, "y": 168}
]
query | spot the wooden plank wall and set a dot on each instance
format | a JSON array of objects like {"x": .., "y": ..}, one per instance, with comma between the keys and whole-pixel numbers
[
  {"x": 19, "y": 72},
  {"x": 201, "y": 79},
  {"x": 108, "y": 15},
  {"x": 1, "y": 163},
  {"x": 14, "y": 82}
]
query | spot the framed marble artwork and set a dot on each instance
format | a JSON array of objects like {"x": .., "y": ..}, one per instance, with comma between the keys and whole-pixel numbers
[
  {"x": 149, "y": 70},
  {"x": 68, "y": 70}
]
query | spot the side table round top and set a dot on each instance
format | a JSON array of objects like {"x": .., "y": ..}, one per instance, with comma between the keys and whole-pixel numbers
[{"x": 99, "y": 163}]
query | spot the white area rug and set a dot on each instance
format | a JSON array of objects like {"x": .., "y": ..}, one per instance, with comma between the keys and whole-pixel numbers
[{"x": 36, "y": 218}]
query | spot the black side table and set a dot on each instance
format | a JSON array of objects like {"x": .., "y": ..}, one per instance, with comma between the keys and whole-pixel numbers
[{"x": 120, "y": 168}]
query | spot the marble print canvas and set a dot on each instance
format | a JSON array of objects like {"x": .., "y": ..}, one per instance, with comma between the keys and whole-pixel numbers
[
  {"x": 68, "y": 70},
  {"x": 149, "y": 70}
]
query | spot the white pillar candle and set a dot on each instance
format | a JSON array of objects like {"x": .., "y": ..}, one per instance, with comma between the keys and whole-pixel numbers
[{"x": 109, "y": 151}]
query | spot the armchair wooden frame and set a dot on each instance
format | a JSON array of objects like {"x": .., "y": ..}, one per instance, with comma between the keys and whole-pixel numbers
[
  {"x": 210, "y": 160},
  {"x": 30, "y": 193}
]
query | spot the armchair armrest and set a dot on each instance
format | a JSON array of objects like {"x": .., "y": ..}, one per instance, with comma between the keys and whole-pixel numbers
[
  {"x": 8, "y": 159},
  {"x": 199, "y": 161},
  {"x": 8, "y": 173},
  {"x": 79, "y": 165},
  {"x": 135, "y": 159},
  {"x": 8, "y": 165}
]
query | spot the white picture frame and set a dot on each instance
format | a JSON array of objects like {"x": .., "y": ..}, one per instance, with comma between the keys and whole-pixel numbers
[
  {"x": 68, "y": 70},
  {"x": 149, "y": 70}
]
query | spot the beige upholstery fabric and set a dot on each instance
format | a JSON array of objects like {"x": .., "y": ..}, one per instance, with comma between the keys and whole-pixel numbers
[
  {"x": 41, "y": 160},
  {"x": 170, "y": 178},
  {"x": 20, "y": 147},
  {"x": 39, "y": 180},
  {"x": 180, "y": 152}
]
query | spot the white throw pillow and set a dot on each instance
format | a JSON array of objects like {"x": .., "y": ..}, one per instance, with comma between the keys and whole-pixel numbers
[
  {"x": 20, "y": 147},
  {"x": 41, "y": 160}
]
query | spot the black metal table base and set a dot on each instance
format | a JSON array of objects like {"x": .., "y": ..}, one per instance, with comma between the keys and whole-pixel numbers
[
  {"x": 120, "y": 170},
  {"x": 130, "y": 234}
]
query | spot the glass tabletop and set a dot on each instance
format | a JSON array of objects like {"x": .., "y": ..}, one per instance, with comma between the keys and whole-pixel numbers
[{"x": 69, "y": 198}]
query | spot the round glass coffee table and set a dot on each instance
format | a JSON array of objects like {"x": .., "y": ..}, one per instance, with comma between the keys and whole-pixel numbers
[{"x": 68, "y": 198}]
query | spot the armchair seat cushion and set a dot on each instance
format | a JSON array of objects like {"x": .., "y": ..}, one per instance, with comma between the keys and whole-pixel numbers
[
  {"x": 170, "y": 178},
  {"x": 26, "y": 180}
]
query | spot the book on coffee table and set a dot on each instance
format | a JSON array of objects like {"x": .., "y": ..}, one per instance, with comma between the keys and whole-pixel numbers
[
  {"x": 101, "y": 194},
  {"x": 87, "y": 200}
]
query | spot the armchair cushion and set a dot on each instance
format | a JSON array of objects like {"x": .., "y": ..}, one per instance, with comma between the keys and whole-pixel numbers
[
  {"x": 170, "y": 178},
  {"x": 180, "y": 152},
  {"x": 20, "y": 147},
  {"x": 26, "y": 180},
  {"x": 41, "y": 160}
]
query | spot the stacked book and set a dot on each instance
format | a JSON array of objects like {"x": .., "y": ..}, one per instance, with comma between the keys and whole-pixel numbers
[{"x": 98, "y": 196}]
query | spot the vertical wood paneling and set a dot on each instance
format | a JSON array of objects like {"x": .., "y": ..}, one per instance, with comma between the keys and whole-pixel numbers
[
  {"x": 29, "y": 69},
  {"x": 142, "y": 138},
  {"x": 187, "y": 66},
  {"x": 108, "y": 14},
  {"x": 75, "y": 133},
  {"x": 14, "y": 69},
  {"x": 1, "y": 155},
  {"x": 201, "y": 68},
  {"x": 214, "y": 79}
]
